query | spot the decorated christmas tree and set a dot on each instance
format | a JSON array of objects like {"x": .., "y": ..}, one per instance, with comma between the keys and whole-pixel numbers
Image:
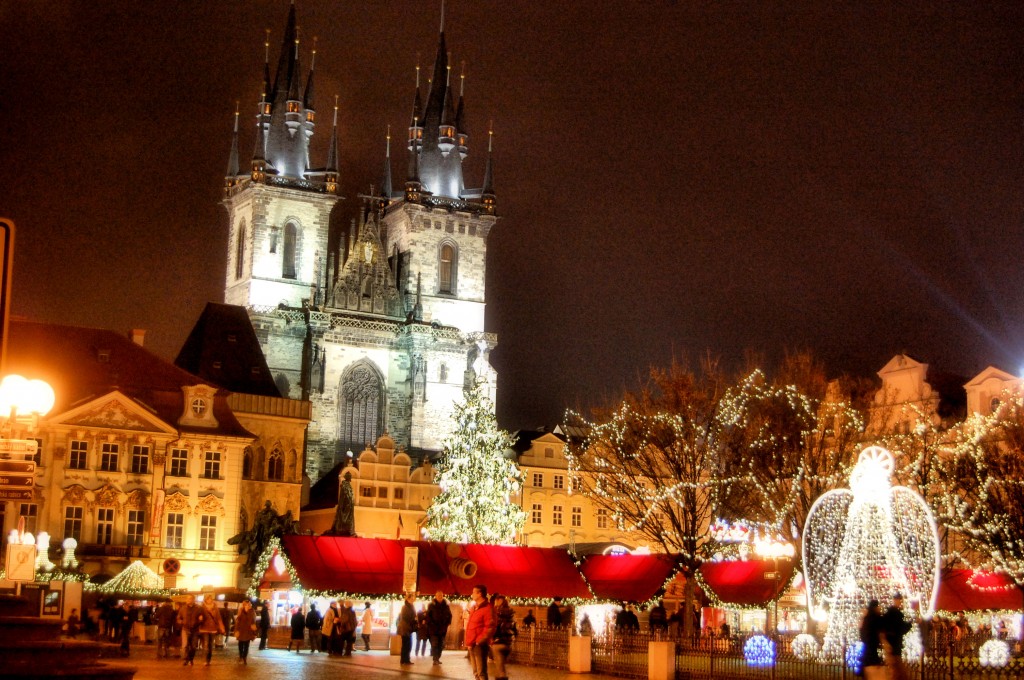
[{"x": 477, "y": 480}]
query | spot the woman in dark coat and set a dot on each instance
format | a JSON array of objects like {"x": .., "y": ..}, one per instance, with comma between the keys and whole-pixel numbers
[
  {"x": 245, "y": 630},
  {"x": 298, "y": 628},
  {"x": 504, "y": 633},
  {"x": 871, "y": 629}
]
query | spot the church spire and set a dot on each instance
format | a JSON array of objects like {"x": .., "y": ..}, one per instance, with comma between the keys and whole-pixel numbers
[
  {"x": 385, "y": 183},
  {"x": 331, "y": 171},
  {"x": 462, "y": 134},
  {"x": 487, "y": 192},
  {"x": 231, "y": 175},
  {"x": 307, "y": 98}
]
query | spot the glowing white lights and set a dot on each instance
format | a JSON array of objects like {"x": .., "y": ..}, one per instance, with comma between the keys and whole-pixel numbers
[
  {"x": 994, "y": 654},
  {"x": 805, "y": 647},
  {"x": 21, "y": 395},
  {"x": 759, "y": 651}
]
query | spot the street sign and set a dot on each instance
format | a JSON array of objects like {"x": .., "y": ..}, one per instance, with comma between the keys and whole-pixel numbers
[
  {"x": 23, "y": 466},
  {"x": 24, "y": 446},
  {"x": 10, "y": 480},
  {"x": 15, "y": 494}
]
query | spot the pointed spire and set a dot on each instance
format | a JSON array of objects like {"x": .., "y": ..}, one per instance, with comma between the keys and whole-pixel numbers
[
  {"x": 332, "y": 149},
  {"x": 414, "y": 167},
  {"x": 266, "y": 66},
  {"x": 293, "y": 81},
  {"x": 487, "y": 192},
  {"x": 286, "y": 62},
  {"x": 307, "y": 101},
  {"x": 385, "y": 184},
  {"x": 232, "y": 171}
]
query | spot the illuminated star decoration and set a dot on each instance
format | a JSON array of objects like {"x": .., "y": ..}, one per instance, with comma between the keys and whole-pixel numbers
[{"x": 868, "y": 543}]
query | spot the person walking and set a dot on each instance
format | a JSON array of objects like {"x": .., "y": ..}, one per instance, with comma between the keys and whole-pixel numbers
[
  {"x": 210, "y": 627},
  {"x": 439, "y": 617},
  {"x": 164, "y": 617},
  {"x": 264, "y": 625},
  {"x": 421, "y": 632},
  {"x": 657, "y": 619},
  {"x": 367, "y": 629},
  {"x": 313, "y": 623},
  {"x": 479, "y": 632},
  {"x": 328, "y": 629},
  {"x": 245, "y": 630},
  {"x": 871, "y": 632},
  {"x": 505, "y": 633},
  {"x": 189, "y": 618},
  {"x": 127, "y": 621},
  {"x": 298, "y": 624},
  {"x": 406, "y": 626},
  {"x": 348, "y": 627},
  {"x": 555, "y": 613},
  {"x": 896, "y": 626}
]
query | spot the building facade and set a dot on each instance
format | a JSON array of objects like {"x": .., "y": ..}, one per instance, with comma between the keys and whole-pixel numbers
[{"x": 382, "y": 332}]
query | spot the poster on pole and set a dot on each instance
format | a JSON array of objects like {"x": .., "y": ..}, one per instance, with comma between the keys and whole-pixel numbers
[{"x": 411, "y": 570}]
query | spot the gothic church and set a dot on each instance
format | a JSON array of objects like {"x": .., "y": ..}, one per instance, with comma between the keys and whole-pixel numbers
[{"x": 383, "y": 332}]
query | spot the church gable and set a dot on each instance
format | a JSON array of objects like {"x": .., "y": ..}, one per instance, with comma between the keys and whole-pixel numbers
[
  {"x": 113, "y": 411},
  {"x": 365, "y": 282}
]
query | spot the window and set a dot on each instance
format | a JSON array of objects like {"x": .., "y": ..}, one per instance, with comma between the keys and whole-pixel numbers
[
  {"x": 549, "y": 452},
  {"x": 366, "y": 491},
  {"x": 443, "y": 373},
  {"x": 240, "y": 252},
  {"x": 559, "y": 481},
  {"x": 73, "y": 522},
  {"x": 38, "y": 456},
  {"x": 247, "y": 463},
  {"x": 361, "y": 406},
  {"x": 211, "y": 465},
  {"x": 556, "y": 516},
  {"x": 602, "y": 518},
  {"x": 446, "y": 269},
  {"x": 577, "y": 517},
  {"x": 208, "y": 532},
  {"x": 288, "y": 259},
  {"x": 179, "y": 463},
  {"x": 198, "y": 407},
  {"x": 382, "y": 492},
  {"x": 175, "y": 529},
  {"x": 140, "y": 460},
  {"x": 577, "y": 484},
  {"x": 275, "y": 466},
  {"x": 108, "y": 457},
  {"x": 30, "y": 512},
  {"x": 105, "y": 526},
  {"x": 535, "y": 514},
  {"x": 79, "y": 455},
  {"x": 136, "y": 519},
  {"x": 538, "y": 479},
  {"x": 399, "y": 494}
]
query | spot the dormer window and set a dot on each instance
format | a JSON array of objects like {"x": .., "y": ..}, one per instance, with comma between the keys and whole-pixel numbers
[{"x": 198, "y": 407}]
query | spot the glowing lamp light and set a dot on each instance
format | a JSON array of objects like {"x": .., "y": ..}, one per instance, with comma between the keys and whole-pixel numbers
[
  {"x": 19, "y": 394},
  {"x": 994, "y": 654},
  {"x": 759, "y": 651},
  {"x": 805, "y": 647},
  {"x": 278, "y": 564}
]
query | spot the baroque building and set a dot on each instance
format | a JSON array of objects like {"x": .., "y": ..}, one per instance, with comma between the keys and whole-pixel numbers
[{"x": 382, "y": 331}]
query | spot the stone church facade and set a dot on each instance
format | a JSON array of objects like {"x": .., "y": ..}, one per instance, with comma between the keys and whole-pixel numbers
[{"x": 382, "y": 332}]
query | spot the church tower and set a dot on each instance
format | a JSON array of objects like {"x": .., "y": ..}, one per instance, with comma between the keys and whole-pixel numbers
[{"x": 383, "y": 334}]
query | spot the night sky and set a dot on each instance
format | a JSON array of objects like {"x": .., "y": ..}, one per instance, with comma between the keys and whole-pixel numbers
[{"x": 672, "y": 177}]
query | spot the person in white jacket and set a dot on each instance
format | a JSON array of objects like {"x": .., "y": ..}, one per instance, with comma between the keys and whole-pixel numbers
[{"x": 367, "y": 626}]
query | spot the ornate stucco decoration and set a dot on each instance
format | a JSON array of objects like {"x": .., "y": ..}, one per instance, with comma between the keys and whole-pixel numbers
[
  {"x": 177, "y": 502},
  {"x": 210, "y": 505}
]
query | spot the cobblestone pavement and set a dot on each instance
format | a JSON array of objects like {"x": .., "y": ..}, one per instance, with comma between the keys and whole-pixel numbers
[{"x": 272, "y": 664}]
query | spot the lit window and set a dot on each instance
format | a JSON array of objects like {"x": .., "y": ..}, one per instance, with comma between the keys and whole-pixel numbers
[
  {"x": 198, "y": 407},
  {"x": 73, "y": 522},
  {"x": 361, "y": 406},
  {"x": 105, "y": 526},
  {"x": 577, "y": 484},
  {"x": 399, "y": 494},
  {"x": 240, "y": 252},
  {"x": 108, "y": 457},
  {"x": 559, "y": 481},
  {"x": 78, "y": 457},
  {"x": 288, "y": 260},
  {"x": 535, "y": 514},
  {"x": 556, "y": 515},
  {"x": 136, "y": 519},
  {"x": 208, "y": 532},
  {"x": 538, "y": 479},
  {"x": 275, "y": 466},
  {"x": 577, "y": 517},
  {"x": 175, "y": 529},
  {"x": 602, "y": 518},
  {"x": 140, "y": 460},
  {"x": 366, "y": 491},
  {"x": 211, "y": 465},
  {"x": 179, "y": 463}
]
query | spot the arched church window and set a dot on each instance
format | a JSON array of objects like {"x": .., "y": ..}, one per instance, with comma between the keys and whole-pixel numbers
[
  {"x": 275, "y": 466},
  {"x": 288, "y": 258},
  {"x": 240, "y": 252},
  {"x": 446, "y": 269},
  {"x": 361, "y": 408},
  {"x": 247, "y": 463}
]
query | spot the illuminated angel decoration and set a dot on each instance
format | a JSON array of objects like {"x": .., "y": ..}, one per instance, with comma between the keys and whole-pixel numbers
[{"x": 865, "y": 543}]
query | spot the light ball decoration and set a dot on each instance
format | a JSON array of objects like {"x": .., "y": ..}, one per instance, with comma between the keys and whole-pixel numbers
[
  {"x": 69, "y": 561},
  {"x": 805, "y": 647},
  {"x": 994, "y": 654},
  {"x": 913, "y": 647},
  {"x": 854, "y": 654},
  {"x": 759, "y": 651}
]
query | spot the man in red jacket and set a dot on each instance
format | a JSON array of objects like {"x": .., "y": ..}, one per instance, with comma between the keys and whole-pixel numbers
[{"x": 479, "y": 631}]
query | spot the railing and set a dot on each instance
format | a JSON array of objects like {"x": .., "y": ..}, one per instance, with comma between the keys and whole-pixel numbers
[
  {"x": 622, "y": 653},
  {"x": 540, "y": 646}
]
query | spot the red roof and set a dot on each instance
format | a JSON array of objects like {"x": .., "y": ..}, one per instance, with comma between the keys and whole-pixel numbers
[
  {"x": 966, "y": 590},
  {"x": 747, "y": 583},
  {"x": 629, "y": 578},
  {"x": 373, "y": 566}
]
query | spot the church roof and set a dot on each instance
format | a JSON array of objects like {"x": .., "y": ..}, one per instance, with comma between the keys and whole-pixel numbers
[
  {"x": 222, "y": 349},
  {"x": 85, "y": 363}
]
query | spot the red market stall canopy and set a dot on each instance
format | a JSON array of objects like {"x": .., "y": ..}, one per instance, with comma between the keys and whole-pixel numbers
[
  {"x": 969, "y": 590},
  {"x": 750, "y": 583},
  {"x": 630, "y": 578},
  {"x": 374, "y": 566}
]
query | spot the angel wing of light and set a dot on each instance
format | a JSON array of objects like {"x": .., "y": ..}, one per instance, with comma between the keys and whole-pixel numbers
[{"x": 867, "y": 543}]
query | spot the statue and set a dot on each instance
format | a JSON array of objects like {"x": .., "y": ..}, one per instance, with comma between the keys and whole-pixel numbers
[
  {"x": 266, "y": 525},
  {"x": 345, "y": 516}
]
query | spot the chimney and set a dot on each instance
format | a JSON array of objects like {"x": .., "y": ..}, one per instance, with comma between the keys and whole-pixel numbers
[{"x": 138, "y": 336}]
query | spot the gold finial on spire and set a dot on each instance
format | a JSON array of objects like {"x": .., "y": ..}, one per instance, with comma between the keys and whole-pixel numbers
[
  {"x": 312, "y": 61},
  {"x": 417, "y": 70},
  {"x": 490, "y": 135},
  {"x": 462, "y": 79},
  {"x": 266, "y": 46},
  {"x": 237, "y": 103},
  {"x": 389, "y": 142},
  {"x": 442, "y": 16},
  {"x": 335, "y": 110}
]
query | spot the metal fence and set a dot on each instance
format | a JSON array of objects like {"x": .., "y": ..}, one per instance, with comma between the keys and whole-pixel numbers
[
  {"x": 621, "y": 653},
  {"x": 541, "y": 646}
]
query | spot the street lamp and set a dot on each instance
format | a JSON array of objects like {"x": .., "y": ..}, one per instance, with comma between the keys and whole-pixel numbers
[
  {"x": 23, "y": 399},
  {"x": 775, "y": 550}
]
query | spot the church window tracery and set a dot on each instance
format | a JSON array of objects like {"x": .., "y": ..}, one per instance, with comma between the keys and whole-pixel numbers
[
  {"x": 447, "y": 267},
  {"x": 240, "y": 252},
  {"x": 288, "y": 257},
  {"x": 275, "y": 466},
  {"x": 361, "y": 408}
]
